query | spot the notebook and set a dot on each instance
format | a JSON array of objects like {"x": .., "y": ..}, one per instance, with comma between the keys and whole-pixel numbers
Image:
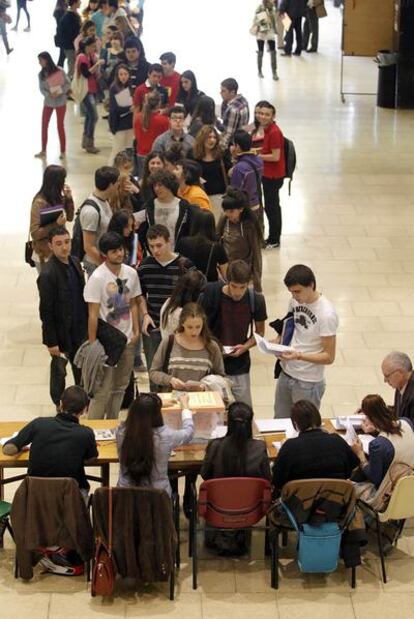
[{"x": 50, "y": 214}]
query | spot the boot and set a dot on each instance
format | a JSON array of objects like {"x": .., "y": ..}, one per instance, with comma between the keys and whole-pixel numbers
[
  {"x": 90, "y": 146},
  {"x": 84, "y": 139},
  {"x": 273, "y": 63},
  {"x": 259, "y": 63}
]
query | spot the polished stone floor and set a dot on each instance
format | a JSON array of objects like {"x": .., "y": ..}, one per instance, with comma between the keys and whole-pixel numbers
[{"x": 350, "y": 217}]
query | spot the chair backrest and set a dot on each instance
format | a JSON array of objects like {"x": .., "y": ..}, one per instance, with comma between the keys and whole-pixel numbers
[
  {"x": 234, "y": 502},
  {"x": 144, "y": 537},
  {"x": 401, "y": 503}
]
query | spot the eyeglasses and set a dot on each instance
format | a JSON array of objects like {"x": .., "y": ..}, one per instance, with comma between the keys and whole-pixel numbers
[
  {"x": 386, "y": 376},
  {"x": 120, "y": 285}
]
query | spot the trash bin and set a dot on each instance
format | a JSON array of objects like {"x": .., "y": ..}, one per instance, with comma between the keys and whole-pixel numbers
[{"x": 387, "y": 78}]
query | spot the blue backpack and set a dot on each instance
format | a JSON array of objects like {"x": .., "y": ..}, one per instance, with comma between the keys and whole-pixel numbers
[{"x": 318, "y": 546}]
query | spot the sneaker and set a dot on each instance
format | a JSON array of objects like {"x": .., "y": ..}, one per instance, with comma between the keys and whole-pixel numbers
[
  {"x": 14, "y": 28},
  {"x": 270, "y": 245},
  {"x": 41, "y": 154},
  {"x": 61, "y": 569},
  {"x": 27, "y": 29},
  {"x": 62, "y": 156}
]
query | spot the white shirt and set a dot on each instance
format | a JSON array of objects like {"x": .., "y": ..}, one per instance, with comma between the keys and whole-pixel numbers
[
  {"x": 312, "y": 321},
  {"x": 102, "y": 287},
  {"x": 166, "y": 213}
]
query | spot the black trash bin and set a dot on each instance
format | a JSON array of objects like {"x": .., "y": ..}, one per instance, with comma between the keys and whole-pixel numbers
[{"x": 387, "y": 78}]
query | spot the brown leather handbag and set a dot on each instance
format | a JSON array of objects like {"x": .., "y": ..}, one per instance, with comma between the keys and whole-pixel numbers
[{"x": 103, "y": 575}]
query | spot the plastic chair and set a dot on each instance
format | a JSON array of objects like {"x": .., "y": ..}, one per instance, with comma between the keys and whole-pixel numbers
[
  {"x": 231, "y": 503},
  {"x": 322, "y": 487},
  {"x": 400, "y": 507},
  {"x": 5, "y": 509}
]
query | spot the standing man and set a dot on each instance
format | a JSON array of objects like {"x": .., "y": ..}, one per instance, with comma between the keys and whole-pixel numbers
[
  {"x": 113, "y": 294},
  {"x": 313, "y": 341},
  {"x": 247, "y": 172},
  {"x": 397, "y": 370},
  {"x": 235, "y": 312},
  {"x": 63, "y": 311},
  {"x": 158, "y": 274},
  {"x": 272, "y": 154},
  {"x": 136, "y": 62},
  {"x": 68, "y": 29},
  {"x": 296, "y": 10},
  {"x": 234, "y": 110},
  {"x": 171, "y": 78},
  {"x": 95, "y": 215},
  {"x": 152, "y": 83},
  {"x": 175, "y": 134}
]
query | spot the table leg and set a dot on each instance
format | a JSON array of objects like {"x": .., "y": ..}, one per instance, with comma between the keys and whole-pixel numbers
[
  {"x": 105, "y": 474},
  {"x": 1, "y": 483}
]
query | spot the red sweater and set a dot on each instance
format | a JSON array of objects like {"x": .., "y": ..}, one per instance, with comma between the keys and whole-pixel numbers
[
  {"x": 172, "y": 84},
  {"x": 145, "y": 139},
  {"x": 273, "y": 139}
]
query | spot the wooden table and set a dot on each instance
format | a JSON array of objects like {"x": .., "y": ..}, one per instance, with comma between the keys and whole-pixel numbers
[{"x": 185, "y": 459}]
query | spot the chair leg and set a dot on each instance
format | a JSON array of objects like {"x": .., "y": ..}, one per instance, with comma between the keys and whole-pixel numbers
[
  {"x": 381, "y": 549},
  {"x": 194, "y": 543},
  {"x": 10, "y": 530},
  {"x": 88, "y": 571},
  {"x": 3, "y": 526},
  {"x": 172, "y": 582},
  {"x": 353, "y": 577},
  {"x": 267, "y": 549},
  {"x": 16, "y": 566},
  {"x": 400, "y": 530},
  {"x": 176, "y": 508},
  {"x": 274, "y": 567}
]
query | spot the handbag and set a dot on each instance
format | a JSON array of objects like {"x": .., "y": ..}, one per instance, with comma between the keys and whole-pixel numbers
[
  {"x": 112, "y": 340},
  {"x": 320, "y": 10},
  {"x": 103, "y": 574},
  {"x": 79, "y": 86},
  {"x": 28, "y": 252}
]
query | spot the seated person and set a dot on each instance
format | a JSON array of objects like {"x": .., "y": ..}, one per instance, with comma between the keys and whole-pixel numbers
[
  {"x": 60, "y": 445},
  {"x": 394, "y": 443},
  {"x": 144, "y": 443},
  {"x": 314, "y": 453},
  {"x": 235, "y": 455}
]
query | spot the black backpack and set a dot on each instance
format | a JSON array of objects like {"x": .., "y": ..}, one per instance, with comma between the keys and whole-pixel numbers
[
  {"x": 290, "y": 160},
  {"x": 78, "y": 249}
]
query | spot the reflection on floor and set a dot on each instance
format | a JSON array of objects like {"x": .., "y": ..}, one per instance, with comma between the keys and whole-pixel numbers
[{"x": 350, "y": 217}]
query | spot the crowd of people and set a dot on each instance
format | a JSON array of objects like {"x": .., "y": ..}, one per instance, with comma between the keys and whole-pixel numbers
[{"x": 170, "y": 240}]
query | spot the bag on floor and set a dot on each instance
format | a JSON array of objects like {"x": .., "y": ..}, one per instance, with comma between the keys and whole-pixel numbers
[{"x": 103, "y": 574}]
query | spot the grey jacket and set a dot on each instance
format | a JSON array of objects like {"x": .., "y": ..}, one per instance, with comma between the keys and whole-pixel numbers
[
  {"x": 90, "y": 358},
  {"x": 54, "y": 101},
  {"x": 165, "y": 440}
]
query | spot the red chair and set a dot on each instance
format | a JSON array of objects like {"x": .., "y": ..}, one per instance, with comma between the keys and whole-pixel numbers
[{"x": 230, "y": 503}]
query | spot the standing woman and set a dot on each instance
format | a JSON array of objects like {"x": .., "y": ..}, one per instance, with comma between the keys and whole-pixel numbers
[
  {"x": 187, "y": 290},
  {"x": 148, "y": 125},
  {"x": 88, "y": 64},
  {"x": 214, "y": 164},
  {"x": 153, "y": 162},
  {"x": 54, "y": 86},
  {"x": 188, "y": 94},
  {"x": 120, "y": 112},
  {"x": 273, "y": 155},
  {"x": 123, "y": 223},
  {"x": 4, "y": 20},
  {"x": 264, "y": 29},
  {"x": 240, "y": 233},
  {"x": 22, "y": 6},
  {"x": 60, "y": 9},
  {"x": 53, "y": 192},
  {"x": 204, "y": 114}
]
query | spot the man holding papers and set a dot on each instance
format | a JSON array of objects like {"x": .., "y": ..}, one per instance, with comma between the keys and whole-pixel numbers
[{"x": 313, "y": 343}]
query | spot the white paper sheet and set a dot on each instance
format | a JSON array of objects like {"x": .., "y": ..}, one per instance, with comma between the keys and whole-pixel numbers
[
  {"x": 270, "y": 348},
  {"x": 274, "y": 425}
]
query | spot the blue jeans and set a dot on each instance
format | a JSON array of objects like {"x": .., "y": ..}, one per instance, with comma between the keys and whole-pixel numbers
[
  {"x": 290, "y": 390},
  {"x": 91, "y": 115},
  {"x": 151, "y": 343}
]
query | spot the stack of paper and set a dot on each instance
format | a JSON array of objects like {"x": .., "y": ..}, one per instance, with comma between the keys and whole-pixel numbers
[
  {"x": 105, "y": 435},
  {"x": 271, "y": 348},
  {"x": 341, "y": 423},
  {"x": 276, "y": 425}
]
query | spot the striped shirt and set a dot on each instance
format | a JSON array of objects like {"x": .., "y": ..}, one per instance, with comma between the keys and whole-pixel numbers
[{"x": 158, "y": 281}]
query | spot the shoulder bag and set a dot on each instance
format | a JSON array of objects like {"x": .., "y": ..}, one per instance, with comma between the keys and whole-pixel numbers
[
  {"x": 28, "y": 252},
  {"x": 103, "y": 575}
]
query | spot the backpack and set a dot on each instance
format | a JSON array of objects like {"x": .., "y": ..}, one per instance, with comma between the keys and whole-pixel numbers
[
  {"x": 290, "y": 160},
  {"x": 318, "y": 545},
  {"x": 78, "y": 249}
]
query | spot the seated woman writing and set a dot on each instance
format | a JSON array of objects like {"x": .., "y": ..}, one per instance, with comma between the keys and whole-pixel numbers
[
  {"x": 237, "y": 454},
  {"x": 394, "y": 443},
  {"x": 314, "y": 453},
  {"x": 144, "y": 443}
]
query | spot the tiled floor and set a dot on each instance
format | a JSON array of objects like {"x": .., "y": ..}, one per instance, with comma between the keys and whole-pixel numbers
[{"x": 350, "y": 217}]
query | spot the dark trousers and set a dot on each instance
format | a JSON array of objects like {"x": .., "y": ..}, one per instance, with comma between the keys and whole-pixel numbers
[
  {"x": 311, "y": 28},
  {"x": 273, "y": 211},
  {"x": 297, "y": 28},
  {"x": 151, "y": 343},
  {"x": 58, "y": 375},
  {"x": 61, "y": 60}
]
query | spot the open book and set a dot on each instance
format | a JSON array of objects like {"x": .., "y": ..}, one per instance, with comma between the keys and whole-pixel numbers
[{"x": 271, "y": 348}]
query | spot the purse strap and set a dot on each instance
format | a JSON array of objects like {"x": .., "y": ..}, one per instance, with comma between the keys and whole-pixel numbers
[
  {"x": 209, "y": 259},
  {"x": 290, "y": 516},
  {"x": 223, "y": 171},
  {"x": 110, "y": 521}
]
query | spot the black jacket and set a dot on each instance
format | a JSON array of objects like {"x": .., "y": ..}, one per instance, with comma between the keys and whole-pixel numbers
[
  {"x": 56, "y": 304},
  {"x": 68, "y": 29},
  {"x": 294, "y": 8},
  {"x": 183, "y": 226},
  {"x": 404, "y": 406}
]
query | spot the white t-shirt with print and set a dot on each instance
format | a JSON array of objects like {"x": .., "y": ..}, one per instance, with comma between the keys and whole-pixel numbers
[
  {"x": 312, "y": 321},
  {"x": 166, "y": 213},
  {"x": 114, "y": 294}
]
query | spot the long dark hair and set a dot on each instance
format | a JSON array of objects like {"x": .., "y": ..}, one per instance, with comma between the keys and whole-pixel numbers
[
  {"x": 235, "y": 199},
  {"x": 50, "y": 67},
  {"x": 239, "y": 432},
  {"x": 374, "y": 407},
  {"x": 187, "y": 290},
  {"x": 152, "y": 102},
  {"x": 137, "y": 451},
  {"x": 205, "y": 110},
  {"x": 189, "y": 99},
  {"x": 51, "y": 190},
  {"x": 203, "y": 227},
  {"x": 117, "y": 83},
  {"x": 118, "y": 222}
]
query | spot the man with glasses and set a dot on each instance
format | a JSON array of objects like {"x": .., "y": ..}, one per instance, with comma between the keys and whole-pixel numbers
[
  {"x": 175, "y": 134},
  {"x": 397, "y": 370},
  {"x": 113, "y": 294}
]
